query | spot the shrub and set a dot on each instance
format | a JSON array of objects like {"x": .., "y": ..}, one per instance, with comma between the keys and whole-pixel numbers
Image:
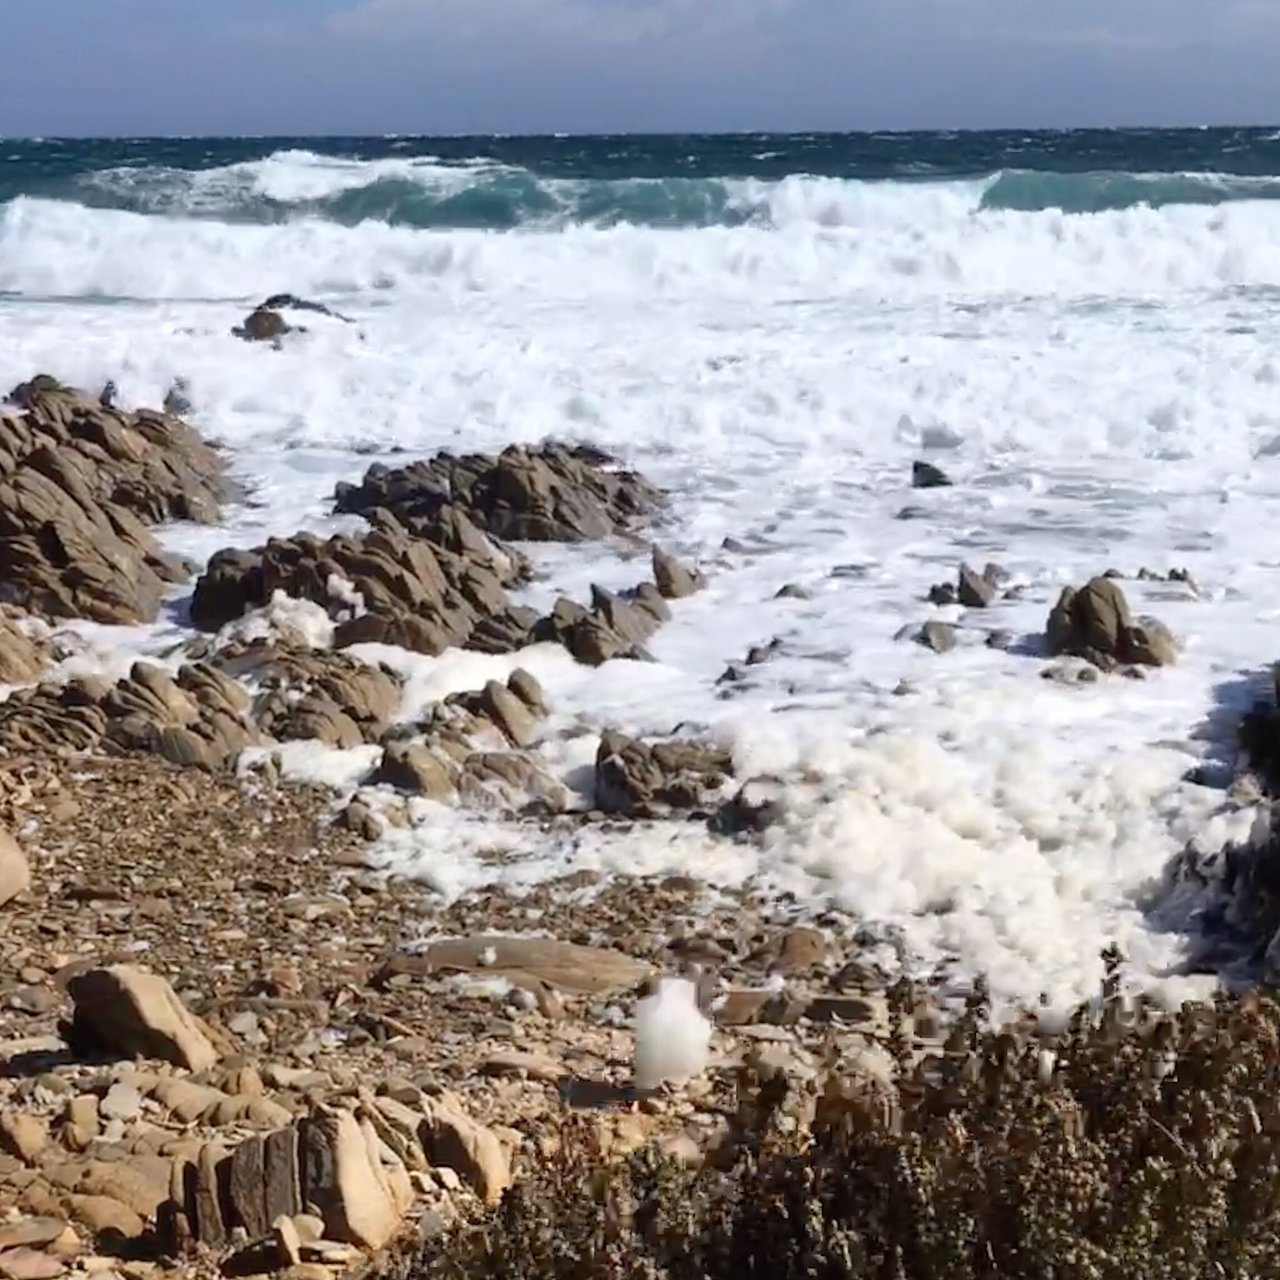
[{"x": 1149, "y": 1149}]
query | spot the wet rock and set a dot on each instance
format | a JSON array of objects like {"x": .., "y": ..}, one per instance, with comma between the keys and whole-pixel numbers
[
  {"x": 924, "y": 475},
  {"x": 263, "y": 324},
  {"x": 674, "y": 580},
  {"x": 938, "y": 636},
  {"x": 973, "y": 590},
  {"x": 757, "y": 805},
  {"x": 641, "y": 780},
  {"x": 413, "y": 593},
  {"x": 791, "y": 591},
  {"x": 1094, "y": 623},
  {"x": 616, "y": 626},
  {"x": 15, "y": 871},
  {"x": 128, "y": 1010},
  {"x": 413, "y": 767},
  {"x": 554, "y": 493},
  {"x": 315, "y": 694},
  {"x": 79, "y": 484}
]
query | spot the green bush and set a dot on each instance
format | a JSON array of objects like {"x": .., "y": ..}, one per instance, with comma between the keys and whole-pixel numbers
[{"x": 1148, "y": 1151}]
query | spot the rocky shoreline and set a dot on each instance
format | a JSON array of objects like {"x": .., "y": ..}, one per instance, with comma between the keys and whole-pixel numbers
[{"x": 229, "y": 1046}]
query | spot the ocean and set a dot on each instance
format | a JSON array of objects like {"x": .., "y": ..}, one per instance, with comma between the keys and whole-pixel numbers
[{"x": 1081, "y": 329}]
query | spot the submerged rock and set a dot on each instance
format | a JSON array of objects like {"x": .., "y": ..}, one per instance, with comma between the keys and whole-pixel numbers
[{"x": 924, "y": 475}]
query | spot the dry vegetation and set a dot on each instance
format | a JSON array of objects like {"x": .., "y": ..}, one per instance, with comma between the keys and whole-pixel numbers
[{"x": 1146, "y": 1150}]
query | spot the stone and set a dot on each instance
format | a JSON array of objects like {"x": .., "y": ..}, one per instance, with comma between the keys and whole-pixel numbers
[
  {"x": 246, "y": 1187},
  {"x": 122, "y": 1102},
  {"x": 23, "y": 1135},
  {"x": 510, "y": 713},
  {"x": 938, "y": 636},
  {"x": 104, "y": 1215},
  {"x": 673, "y": 579},
  {"x": 345, "y": 1180},
  {"x": 211, "y": 1226},
  {"x": 287, "y": 1239},
  {"x": 642, "y": 780},
  {"x": 129, "y": 1010},
  {"x": 15, "y": 871},
  {"x": 1094, "y": 623},
  {"x": 530, "y": 962},
  {"x": 413, "y": 767},
  {"x": 31, "y": 1233},
  {"x": 282, "y": 1190},
  {"x": 80, "y": 484},
  {"x": 924, "y": 475},
  {"x": 973, "y": 590},
  {"x": 29, "y": 1264},
  {"x": 454, "y": 1141}
]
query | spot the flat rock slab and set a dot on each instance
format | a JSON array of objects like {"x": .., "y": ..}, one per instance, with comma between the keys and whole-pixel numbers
[{"x": 565, "y": 966}]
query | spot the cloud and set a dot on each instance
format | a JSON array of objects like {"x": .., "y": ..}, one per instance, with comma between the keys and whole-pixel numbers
[
  {"x": 613, "y": 22},
  {"x": 541, "y": 22}
]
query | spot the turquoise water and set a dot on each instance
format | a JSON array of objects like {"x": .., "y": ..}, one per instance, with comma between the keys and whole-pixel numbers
[{"x": 678, "y": 181}]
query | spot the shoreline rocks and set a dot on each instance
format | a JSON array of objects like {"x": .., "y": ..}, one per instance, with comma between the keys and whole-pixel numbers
[
  {"x": 1094, "y": 623},
  {"x": 79, "y": 485}
]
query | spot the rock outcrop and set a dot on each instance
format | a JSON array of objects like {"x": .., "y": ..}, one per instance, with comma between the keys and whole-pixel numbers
[
  {"x": 472, "y": 747},
  {"x": 79, "y": 484},
  {"x": 552, "y": 493},
  {"x": 412, "y": 593},
  {"x": 197, "y": 717},
  {"x": 1094, "y": 623},
  {"x": 615, "y": 626},
  {"x": 640, "y": 780}
]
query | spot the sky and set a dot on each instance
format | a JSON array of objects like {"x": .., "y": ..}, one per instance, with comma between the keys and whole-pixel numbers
[{"x": 143, "y": 67}]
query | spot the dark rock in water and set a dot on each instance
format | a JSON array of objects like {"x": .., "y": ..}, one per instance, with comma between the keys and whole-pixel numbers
[
  {"x": 913, "y": 513},
  {"x": 942, "y": 593},
  {"x": 791, "y": 591},
  {"x": 938, "y": 636},
  {"x": 638, "y": 780},
  {"x": 1094, "y": 623},
  {"x": 416, "y": 594},
  {"x": 264, "y": 325},
  {"x": 735, "y": 546},
  {"x": 616, "y": 626},
  {"x": 290, "y": 302},
  {"x": 1000, "y": 640},
  {"x": 974, "y": 591},
  {"x": 758, "y": 804},
  {"x": 554, "y": 493},
  {"x": 924, "y": 475},
  {"x": 674, "y": 580},
  {"x": 177, "y": 399}
]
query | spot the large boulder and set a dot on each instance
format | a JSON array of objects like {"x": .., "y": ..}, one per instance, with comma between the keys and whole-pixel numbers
[
  {"x": 553, "y": 493},
  {"x": 1094, "y": 623},
  {"x": 79, "y": 484},
  {"x": 127, "y": 1010}
]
